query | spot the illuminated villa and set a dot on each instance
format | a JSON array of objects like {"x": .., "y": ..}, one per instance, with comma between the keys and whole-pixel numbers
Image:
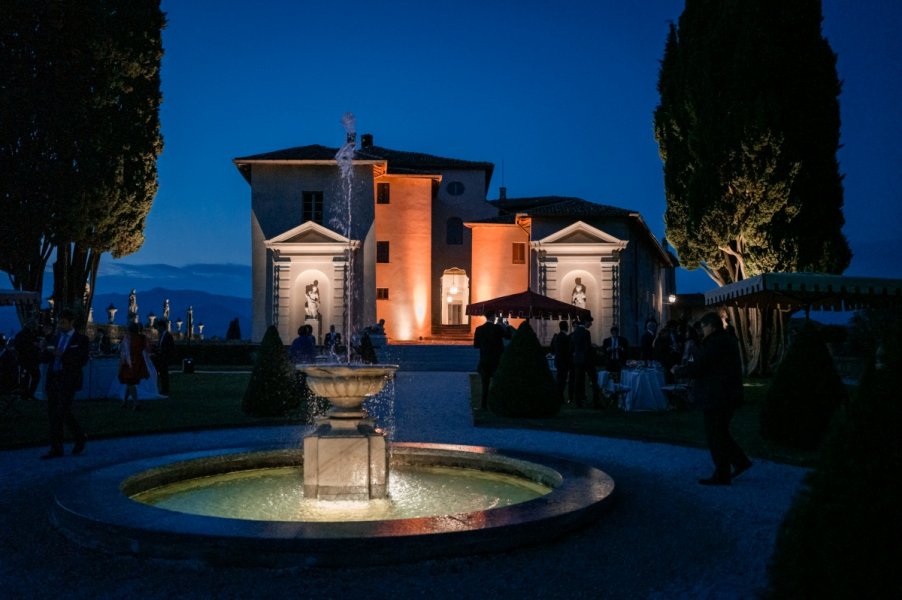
[{"x": 426, "y": 242}]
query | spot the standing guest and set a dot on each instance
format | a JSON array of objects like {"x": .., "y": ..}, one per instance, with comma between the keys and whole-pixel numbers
[
  {"x": 164, "y": 351},
  {"x": 563, "y": 360},
  {"x": 332, "y": 340},
  {"x": 716, "y": 372},
  {"x": 133, "y": 363},
  {"x": 28, "y": 353},
  {"x": 66, "y": 353},
  {"x": 647, "y": 342},
  {"x": 584, "y": 363},
  {"x": 614, "y": 349},
  {"x": 489, "y": 339},
  {"x": 303, "y": 347}
]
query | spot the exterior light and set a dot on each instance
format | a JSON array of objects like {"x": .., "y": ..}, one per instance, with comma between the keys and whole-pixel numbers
[{"x": 672, "y": 298}]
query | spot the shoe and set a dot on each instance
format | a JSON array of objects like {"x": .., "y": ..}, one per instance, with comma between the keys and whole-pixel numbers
[
  {"x": 714, "y": 481},
  {"x": 737, "y": 471},
  {"x": 79, "y": 446},
  {"x": 52, "y": 454}
]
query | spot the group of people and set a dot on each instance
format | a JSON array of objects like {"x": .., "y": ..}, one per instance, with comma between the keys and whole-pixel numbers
[
  {"x": 65, "y": 351},
  {"x": 303, "y": 347},
  {"x": 707, "y": 354},
  {"x": 576, "y": 358}
]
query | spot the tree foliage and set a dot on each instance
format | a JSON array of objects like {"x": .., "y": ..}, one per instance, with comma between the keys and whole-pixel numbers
[
  {"x": 804, "y": 395},
  {"x": 273, "y": 389},
  {"x": 841, "y": 535},
  {"x": 748, "y": 129},
  {"x": 523, "y": 385},
  {"x": 79, "y": 136}
]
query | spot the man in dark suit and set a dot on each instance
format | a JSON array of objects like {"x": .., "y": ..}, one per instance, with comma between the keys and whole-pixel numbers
[
  {"x": 584, "y": 363},
  {"x": 716, "y": 372},
  {"x": 66, "y": 354},
  {"x": 162, "y": 355},
  {"x": 614, "y": 349},
  {"x": 489, "y": 339}
]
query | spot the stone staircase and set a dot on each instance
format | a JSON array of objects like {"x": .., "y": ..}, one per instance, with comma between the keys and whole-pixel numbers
[{"x": 454, "y": 334}]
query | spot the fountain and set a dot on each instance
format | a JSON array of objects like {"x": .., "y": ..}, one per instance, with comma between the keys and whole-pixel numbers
[
  {"x": 347, "y": 498},
  {"x": 346, "y": 458}
]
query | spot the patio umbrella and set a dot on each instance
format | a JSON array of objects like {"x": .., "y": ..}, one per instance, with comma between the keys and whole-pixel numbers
[{"x": 529, "y": 305}]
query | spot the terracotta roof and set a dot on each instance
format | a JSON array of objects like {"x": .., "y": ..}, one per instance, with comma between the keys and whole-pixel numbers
[
  {"x": 398, "y": 161},
  {"x": 559, "y": 206}
]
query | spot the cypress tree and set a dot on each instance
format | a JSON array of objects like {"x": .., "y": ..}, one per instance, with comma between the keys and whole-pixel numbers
[{"x": 748, "y": 129}]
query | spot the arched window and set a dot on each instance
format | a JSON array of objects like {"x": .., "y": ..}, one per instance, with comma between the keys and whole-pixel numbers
[{"x": 455, "y": 231}]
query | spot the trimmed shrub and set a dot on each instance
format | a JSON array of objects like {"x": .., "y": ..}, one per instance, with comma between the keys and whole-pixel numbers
[
  {"x": 523, "y": 385},
  {"x": 841, "y": 537},
  {"x": 273, "y": 387},
  {"x": 804, "y": 395}
]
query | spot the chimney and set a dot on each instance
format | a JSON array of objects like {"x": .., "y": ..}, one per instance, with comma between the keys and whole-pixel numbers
[
  {"x": 502, "y": 193},
  {"x": 366, "y": 140},
  {"x": 351, "y": 138}
]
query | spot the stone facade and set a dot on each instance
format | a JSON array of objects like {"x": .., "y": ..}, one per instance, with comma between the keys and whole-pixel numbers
[{"x": 416, "y": 240}]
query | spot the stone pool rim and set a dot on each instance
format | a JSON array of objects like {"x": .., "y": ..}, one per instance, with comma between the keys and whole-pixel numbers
[{"x": 94, "y": 510}]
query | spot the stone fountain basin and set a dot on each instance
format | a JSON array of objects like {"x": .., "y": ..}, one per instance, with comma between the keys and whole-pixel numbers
[
  {"x": 346, "y": 386},
  {"x": 95, "y": 510}
]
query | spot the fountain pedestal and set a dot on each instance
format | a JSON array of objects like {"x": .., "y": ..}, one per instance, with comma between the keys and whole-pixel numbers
[{"x": 345, "y": 458}]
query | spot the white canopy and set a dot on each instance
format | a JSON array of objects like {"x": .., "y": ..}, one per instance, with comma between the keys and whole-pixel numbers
[{"x": 815, "y": 291}]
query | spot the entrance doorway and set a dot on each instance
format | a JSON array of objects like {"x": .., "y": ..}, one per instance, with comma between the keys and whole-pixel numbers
[{"x": 455, "y": 294}]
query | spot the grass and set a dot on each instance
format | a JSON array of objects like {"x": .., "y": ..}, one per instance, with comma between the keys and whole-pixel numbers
[
  {"x": 197, "y": 401},
  {"x": 683, "y": 427},
  {"x": 207, "y": 400}
]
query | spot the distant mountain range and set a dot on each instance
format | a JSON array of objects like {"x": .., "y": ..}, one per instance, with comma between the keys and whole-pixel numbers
[{"x": 217, "y": 293}]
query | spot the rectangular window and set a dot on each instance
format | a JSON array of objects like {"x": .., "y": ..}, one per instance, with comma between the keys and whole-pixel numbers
[
  {"x": 312, "y": 207},
  {"x": 382, "y": 252},
  {"x": 381, "y": 293},
  {"x": 382, "y": 194},
  {"x": 519, "y": 253}
]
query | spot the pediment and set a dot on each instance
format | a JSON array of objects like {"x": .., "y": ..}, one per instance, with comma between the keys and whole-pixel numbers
[
  {"x": 308, "y": 233},
  {"x": 581, "y": 233}
]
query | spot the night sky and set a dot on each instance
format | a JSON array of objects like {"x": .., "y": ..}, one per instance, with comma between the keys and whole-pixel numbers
[{"x": 560, "y": 98}]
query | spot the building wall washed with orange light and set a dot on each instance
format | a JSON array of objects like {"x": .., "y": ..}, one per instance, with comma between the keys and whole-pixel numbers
[
  {"x": 494, "y": 271},
  {"x": 405, "y": 224},
  {"x": 447, "y": 246}
]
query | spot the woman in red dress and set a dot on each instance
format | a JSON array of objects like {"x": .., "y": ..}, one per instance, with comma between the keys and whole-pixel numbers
[{"x": 132, "y": 363}]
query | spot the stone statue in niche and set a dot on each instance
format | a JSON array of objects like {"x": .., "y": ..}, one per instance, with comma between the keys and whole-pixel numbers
[
  {"x": 579, "y": 294},
  {"x": 312, "y": 300}
]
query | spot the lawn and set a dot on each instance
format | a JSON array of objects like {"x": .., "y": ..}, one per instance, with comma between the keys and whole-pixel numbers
[
  {"x": 197, "y": 401},
  {"x": 206, "y": 400},
  {"x": 683, "y": 427}
]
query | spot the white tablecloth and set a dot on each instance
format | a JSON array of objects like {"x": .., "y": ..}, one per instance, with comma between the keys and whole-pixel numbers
[{"x": 644, "y": 387}]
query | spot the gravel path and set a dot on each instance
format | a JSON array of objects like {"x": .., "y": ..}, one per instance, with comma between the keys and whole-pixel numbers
[{"x": 665, "y": 536}]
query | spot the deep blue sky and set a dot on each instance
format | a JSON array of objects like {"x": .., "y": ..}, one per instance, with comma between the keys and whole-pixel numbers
[{"x": 561, "y": 96}]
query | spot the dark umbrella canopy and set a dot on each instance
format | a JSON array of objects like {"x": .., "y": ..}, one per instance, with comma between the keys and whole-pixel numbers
[{"x": 529, "y": 305}]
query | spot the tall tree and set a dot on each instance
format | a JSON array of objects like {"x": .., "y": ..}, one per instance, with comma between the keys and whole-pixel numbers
[
  {"x": 78, "y": 154},
  {"x": 748, "y": 129}
]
